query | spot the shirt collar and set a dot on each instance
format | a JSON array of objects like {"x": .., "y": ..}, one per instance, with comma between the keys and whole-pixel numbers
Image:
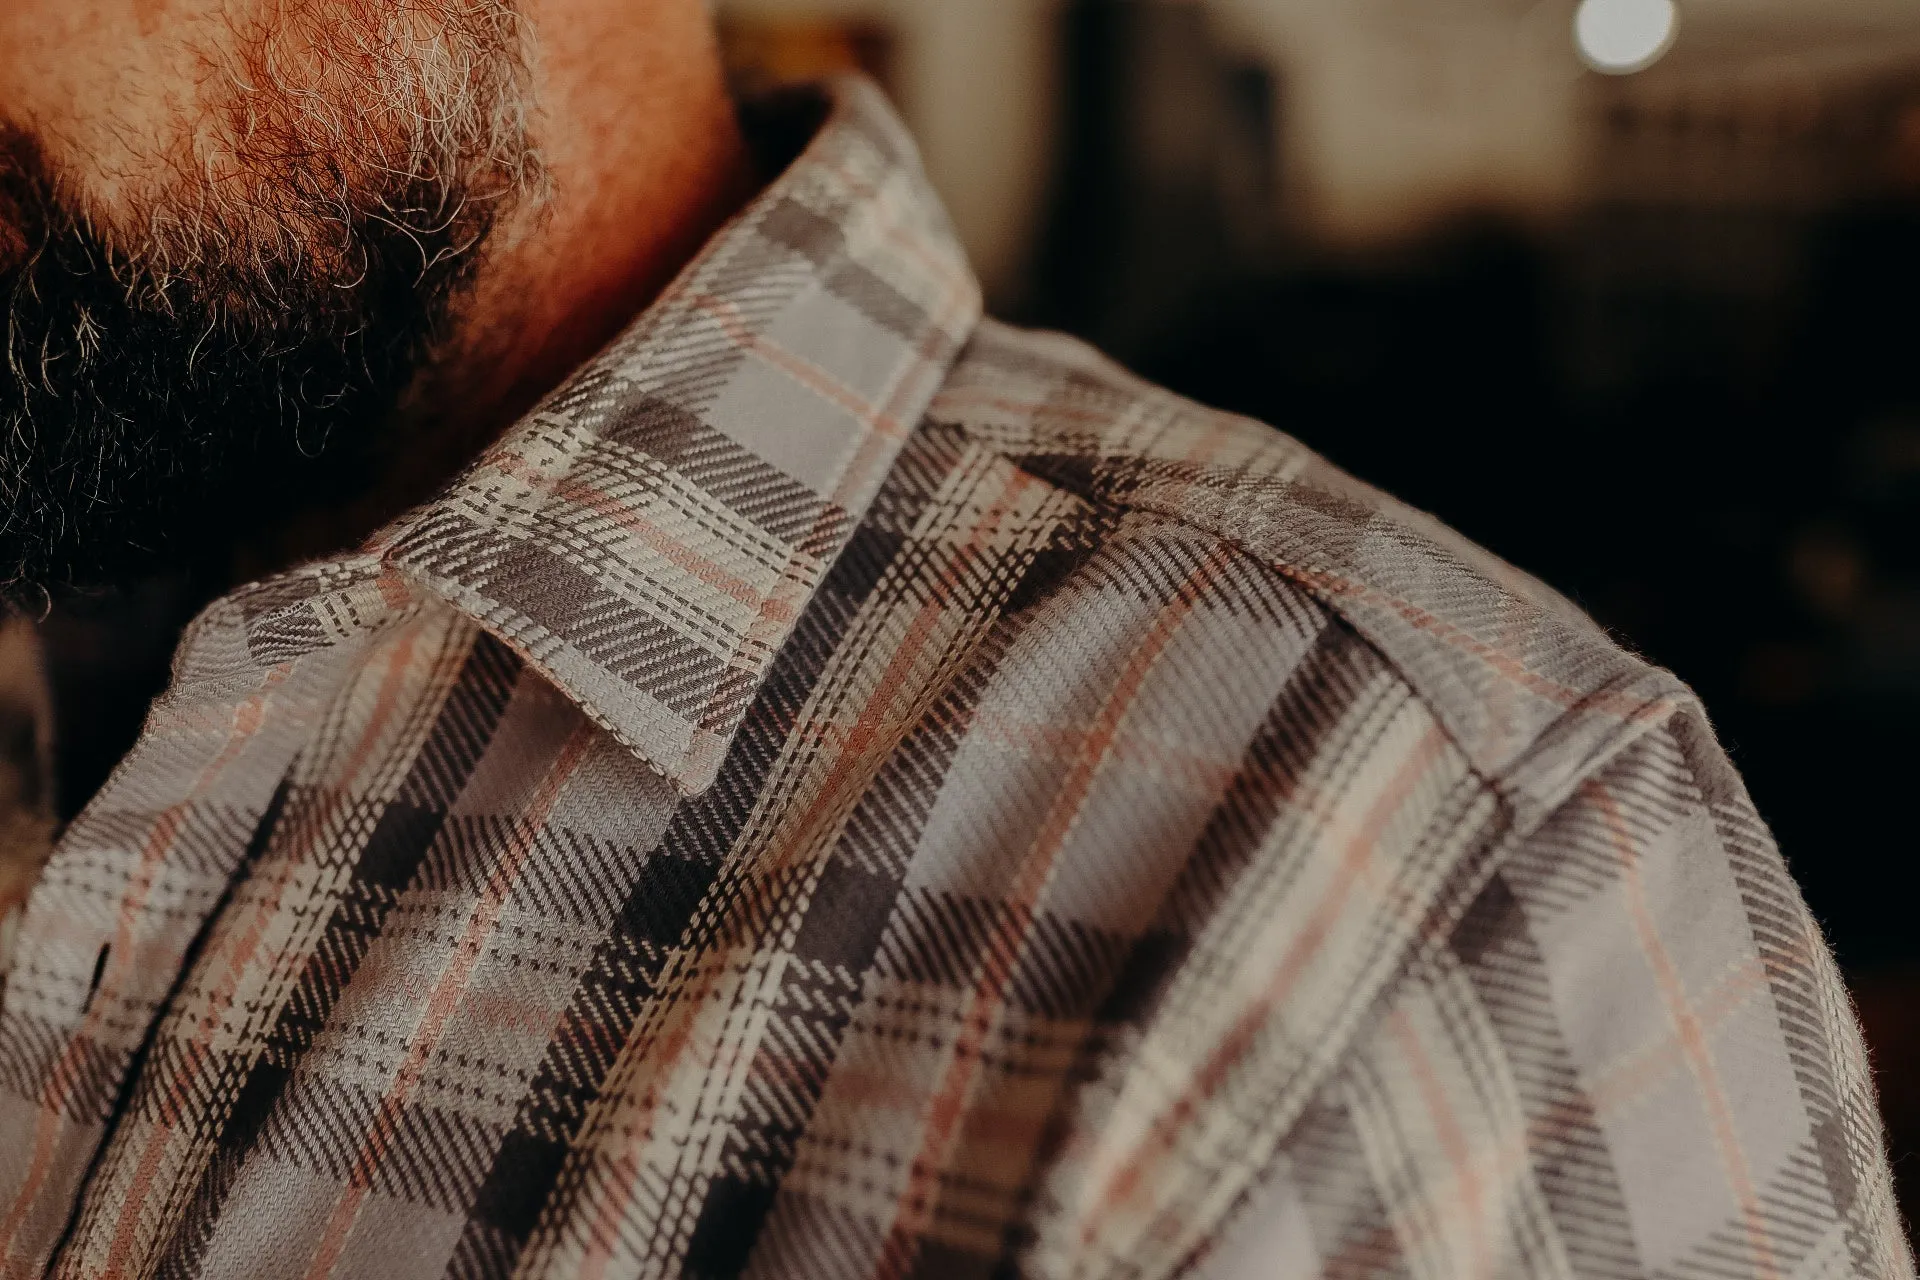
[{"x": 649, "y": 535}]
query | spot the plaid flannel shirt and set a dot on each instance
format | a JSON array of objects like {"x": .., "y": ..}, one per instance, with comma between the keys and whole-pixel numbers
[{"x": 847, "y": 789}]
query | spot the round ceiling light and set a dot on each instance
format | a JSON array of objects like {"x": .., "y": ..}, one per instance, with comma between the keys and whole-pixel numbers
[{"x": 1620, "y": 37}]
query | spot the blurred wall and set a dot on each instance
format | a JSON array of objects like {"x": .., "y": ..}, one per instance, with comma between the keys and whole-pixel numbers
[
  {"x": 1393, "y": 114},
  {"x": 976, "y": 80},
  {"x": 1398, "y": 110}
]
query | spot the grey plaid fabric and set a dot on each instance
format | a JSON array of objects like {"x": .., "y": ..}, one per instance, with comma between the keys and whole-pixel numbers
[{"x": 847, "y": 789}]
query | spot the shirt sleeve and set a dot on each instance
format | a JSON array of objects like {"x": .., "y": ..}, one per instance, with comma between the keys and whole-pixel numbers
[{"x": 1632, "y": 1056}]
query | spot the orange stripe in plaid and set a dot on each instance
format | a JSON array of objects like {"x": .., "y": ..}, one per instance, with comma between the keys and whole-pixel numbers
[
  {"x": 1630, "y": 710},
  {"x": 886, "y": 716},
  {"x": 246, "y": 719},
  {"x": 1636, "y": 1073},
  {"x": 675, "y": 550},
  {"x": 1323, "y": 581},
  {"x": 854, "y": 749},
  {"x": 1466, "y": 1182},
  {"x": 911, "y": 243},
  {"x": 1687, "y": 1028},
  {"x": 1307, "y": 946},
  {"x": 872, "y": 454},
  {"x": 914, "y": 1208},
  {"x": 617, "y": 1184},
  {"x": 1013, "y": 407},
  {"x": 246, "y": 941},
  {"x": 481, "y": 922},
  {"x": 805, "y": 372}
]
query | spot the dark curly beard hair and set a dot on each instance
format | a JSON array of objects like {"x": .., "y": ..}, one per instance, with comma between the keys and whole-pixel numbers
[{"x": 161, "y": 399}]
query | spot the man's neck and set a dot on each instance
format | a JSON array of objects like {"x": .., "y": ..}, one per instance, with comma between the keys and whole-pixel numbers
[
  {"x": 646, "y": 158},
  {"x": 646, "y": 161}
]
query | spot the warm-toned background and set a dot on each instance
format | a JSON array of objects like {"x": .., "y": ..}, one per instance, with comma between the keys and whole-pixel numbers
[{"x": 1653, "y": 337}]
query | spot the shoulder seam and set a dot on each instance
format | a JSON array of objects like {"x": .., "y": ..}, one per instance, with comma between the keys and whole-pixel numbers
[{"x": 1647, "y": 699}]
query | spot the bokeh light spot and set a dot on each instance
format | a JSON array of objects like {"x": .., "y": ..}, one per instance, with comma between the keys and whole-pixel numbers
[{"x": 1620, "y": 37}]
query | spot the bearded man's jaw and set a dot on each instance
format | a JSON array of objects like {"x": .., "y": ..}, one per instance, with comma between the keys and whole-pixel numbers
[{"x": 162, "y": 394}]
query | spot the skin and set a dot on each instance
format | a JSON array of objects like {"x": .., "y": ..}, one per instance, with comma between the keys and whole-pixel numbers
[
  {"x": 630, "y": 117},
  {"x": 646, "y": 158},
  {"x": 631, "y": 206}
]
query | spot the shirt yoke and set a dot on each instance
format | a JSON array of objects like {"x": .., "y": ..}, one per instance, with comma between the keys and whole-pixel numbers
[
  {"x": 1543, "y": 717},
  {"x": 1534, "y": 693}
]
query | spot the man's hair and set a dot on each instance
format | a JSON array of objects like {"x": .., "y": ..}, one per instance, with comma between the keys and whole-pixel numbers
[{"x": 272, "y": 293}]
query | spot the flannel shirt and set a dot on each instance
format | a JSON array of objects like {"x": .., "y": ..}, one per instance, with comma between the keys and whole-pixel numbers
[{"x": 848, "y": 789}]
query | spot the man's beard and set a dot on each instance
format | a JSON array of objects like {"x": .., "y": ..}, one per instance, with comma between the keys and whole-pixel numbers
[{"x": 164, "y": 391}]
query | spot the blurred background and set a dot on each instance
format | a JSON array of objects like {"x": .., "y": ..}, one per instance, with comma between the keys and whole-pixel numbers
[{"x": 1628, "y": 292}]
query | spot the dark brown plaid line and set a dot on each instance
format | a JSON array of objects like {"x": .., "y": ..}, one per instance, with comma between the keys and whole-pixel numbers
[
  {"x": 1578, "y": 1180},
  {"x": 859, "y": 901},
  {"x": 872, "y": 571},
  {"x": 653, "y": 924},
  {"x": 392, "y": 855}
]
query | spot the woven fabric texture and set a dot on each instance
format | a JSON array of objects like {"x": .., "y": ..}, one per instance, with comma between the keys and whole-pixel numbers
[{"x": 848, "y": 789}]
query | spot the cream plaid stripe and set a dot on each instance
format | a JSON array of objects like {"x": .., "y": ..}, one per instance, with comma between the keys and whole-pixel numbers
[{"x": 849, "y": 790}]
